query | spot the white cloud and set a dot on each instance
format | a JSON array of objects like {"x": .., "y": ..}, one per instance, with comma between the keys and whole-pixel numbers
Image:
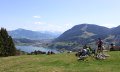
[
  {"x": 36, "y": 16},
  {"x": 39, "y": 23}
]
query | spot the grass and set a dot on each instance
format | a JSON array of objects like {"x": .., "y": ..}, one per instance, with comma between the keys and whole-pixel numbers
[{"x": 59, "y": 63}]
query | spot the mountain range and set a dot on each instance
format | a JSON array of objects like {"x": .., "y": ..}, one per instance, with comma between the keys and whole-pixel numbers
[
  {"x": 87, "y": 33},
  {"x": 33, "y": 35}
]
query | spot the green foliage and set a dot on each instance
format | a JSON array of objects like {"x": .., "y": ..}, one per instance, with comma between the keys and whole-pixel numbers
[
  {"x": 59, "y": 63},
  {"x": 12, "y": 49},
  {"x": 7, "y": 47}
]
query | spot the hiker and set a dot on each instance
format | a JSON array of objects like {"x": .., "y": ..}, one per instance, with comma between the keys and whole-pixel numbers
[
  {"x": 99, "y": 44},
  {"x": 100, "y": 54},
  {"x": 83, "y": 53},
  {"x": 87, "y": 50},
  {"x": 52, "y": 52},
  {"x": 35, "y": 52},
  {"x": 114, "y": 48},
  {"x": 48, "y": 53}
]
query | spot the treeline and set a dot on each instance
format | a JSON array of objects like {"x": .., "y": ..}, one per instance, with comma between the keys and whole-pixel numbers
[{"x": 7, "y": 47}]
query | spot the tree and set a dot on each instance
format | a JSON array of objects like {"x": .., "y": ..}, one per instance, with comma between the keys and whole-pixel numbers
[
  {"x": 12, "y": 49},
  {"x": 1, "y": 46},
  {"x": 7, "y": 47}
]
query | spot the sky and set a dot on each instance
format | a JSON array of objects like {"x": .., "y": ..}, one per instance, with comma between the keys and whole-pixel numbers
[{"x": 58, "y": 15}]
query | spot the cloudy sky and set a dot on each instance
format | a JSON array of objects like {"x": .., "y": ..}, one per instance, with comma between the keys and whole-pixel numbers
[{"x": 58, "y": 15}]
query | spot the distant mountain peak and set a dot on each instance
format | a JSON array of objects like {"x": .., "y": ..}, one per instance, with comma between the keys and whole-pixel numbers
[
  {"x": 20, "y": 29},
  {"x": 33, "y": 35}
]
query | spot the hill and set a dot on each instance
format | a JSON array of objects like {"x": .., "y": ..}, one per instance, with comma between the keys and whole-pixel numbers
[
  {"x": 33, "y": 35},
  {"x": 79, "y": 35},
  {"x": 85, "y": 33},
  {"x": 59, "y": 63}
]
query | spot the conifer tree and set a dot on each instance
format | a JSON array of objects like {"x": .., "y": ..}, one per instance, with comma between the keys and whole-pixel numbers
[
  {"x": 12, "y": 49},
  {"x": 7, "y": 47},
  {"x": 1, "y": 46}
]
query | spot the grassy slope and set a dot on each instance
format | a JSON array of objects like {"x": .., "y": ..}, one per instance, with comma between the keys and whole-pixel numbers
[{"x": 59, "y": 63}]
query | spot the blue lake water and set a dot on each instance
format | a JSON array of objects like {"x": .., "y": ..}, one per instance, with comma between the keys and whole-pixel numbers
[{"x": 32, "y": 48}]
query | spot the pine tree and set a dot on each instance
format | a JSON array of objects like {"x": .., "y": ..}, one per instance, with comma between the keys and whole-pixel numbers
[
  {"x": 4, "y": 35},
  {"x": 1, "y": 45},
  {"x": 12, "y": 49},
  {"x": 7, "y": 47}
]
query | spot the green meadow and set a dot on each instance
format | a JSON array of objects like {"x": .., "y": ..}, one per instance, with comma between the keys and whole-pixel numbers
[{"x": 59, "y": 63}]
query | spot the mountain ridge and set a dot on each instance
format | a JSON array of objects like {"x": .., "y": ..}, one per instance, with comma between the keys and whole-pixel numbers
[
  {"x": 33, "y": 35},
  {"x": 83, "y": 32}
]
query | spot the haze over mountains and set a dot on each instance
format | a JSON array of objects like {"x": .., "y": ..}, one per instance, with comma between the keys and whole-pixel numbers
[
  {"x": 82, "y": 33},
  {"x": 87, "y": 33},
  {"x": 33, "y": 35}
]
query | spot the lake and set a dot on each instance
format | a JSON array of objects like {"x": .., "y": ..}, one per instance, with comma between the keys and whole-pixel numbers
[{"x": 32, "y": 48}]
